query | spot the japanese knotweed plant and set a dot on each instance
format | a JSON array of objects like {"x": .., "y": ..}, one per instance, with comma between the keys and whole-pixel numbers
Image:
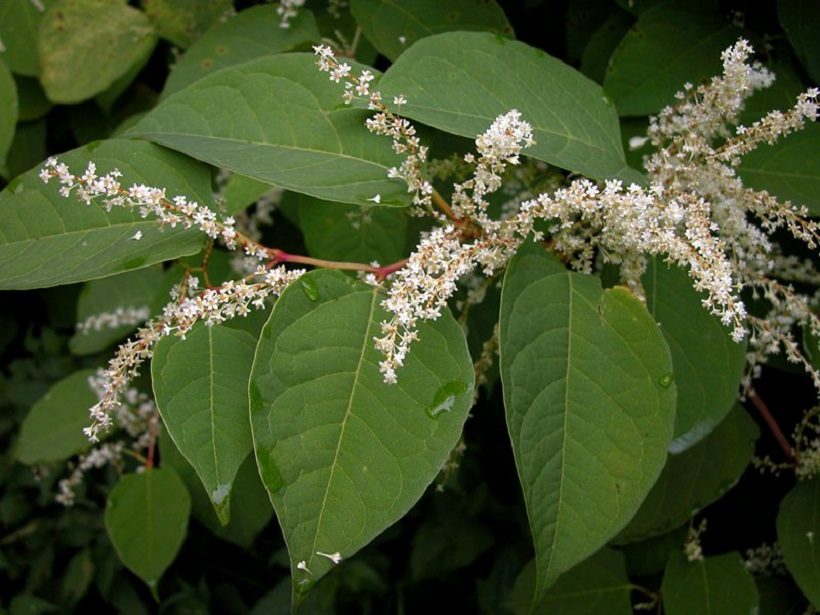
[{"x": 635, "y": 307}]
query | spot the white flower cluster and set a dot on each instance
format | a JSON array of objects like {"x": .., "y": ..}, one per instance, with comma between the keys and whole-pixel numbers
[
  {"x": 136, "y": 416},
  {"x": 765, "y": 560},
  {"x": 807, "y": 445},
  {"x": 146, "y": 200},
  {"x": 122, "y": 316},
  {"x": 287, "y": 10},
  {"x": 403, "y": 134},
  {"x": 189, "y": 305},
  {"x": 695, "y": 213},
  {"x": 234, "y": 298}
]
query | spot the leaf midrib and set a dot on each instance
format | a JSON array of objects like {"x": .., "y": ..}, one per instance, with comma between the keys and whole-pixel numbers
[{"x": 348, "y": 412}]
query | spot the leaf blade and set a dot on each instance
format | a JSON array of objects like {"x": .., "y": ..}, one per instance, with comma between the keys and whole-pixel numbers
[
  {"x": 342, "y": 454},
  {"x": 48, "y": 240},
  {"x": 603, "y": 362},
  {"x": 207, "y": 418}
]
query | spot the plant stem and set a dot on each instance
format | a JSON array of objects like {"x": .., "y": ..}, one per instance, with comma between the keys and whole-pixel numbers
[
  {"x": 444, "y": 206},
  {"x": 763, "y": 409},
  {"x": 280, "y": 256}
]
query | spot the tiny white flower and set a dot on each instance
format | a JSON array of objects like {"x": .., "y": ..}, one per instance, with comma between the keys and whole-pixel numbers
[
  {"x": 137, "y": 236},
  {"x": 376, "y": 199}
]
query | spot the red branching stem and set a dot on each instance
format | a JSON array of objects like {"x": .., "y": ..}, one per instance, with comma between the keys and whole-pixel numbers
[
  {"x": 763, "y": 409},
  {"x": 280, "y": 256}
]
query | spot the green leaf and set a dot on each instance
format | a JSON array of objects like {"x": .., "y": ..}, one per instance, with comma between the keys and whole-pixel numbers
[
  {"x": 27, "y": 149},
  {"x": 597, "y": 585},
  {"x": 393, "y": 26},
  {"x": 240, "y": 192},
  {"x": 8, "y": 118},
  {"x": 250, "y": 506},
  {"x": 788, "y": 169},
  {"x": 86, "y": 45},
  {"x": 603, "y": 42},
  {"x": 33, "y": 102},
  {"x": 718, "y": 585},
  {"x": 780, "y": 596},
  {"x": 78, "y": 576},
  {"x": 696, "y": 478},
  {"x": 799, "y": 19},
  {"x": 671, "y": 43},
  {"x": 649, "y": 557},
  {"x": 184, "y": 21},
  {"x": 201, "y": 388},
  {"x": 47, "y": 240},
  {"x": 122, "y": 296},
  {"x": 591, "y": 422},
  {"x": 342, "y": 454},
  {"x": 460, "y": 82},
  {"x": 707, "y": 366},
  {"x": 279, "y": 120},
  {"x": 19, "y": 24},
  {"x": 53, "y": 428},
  {"x": 147, "y": 519},
  {"x": 798, "y": 532},
  {"x": 357, "y": 233},
  {"x": 253, "y": 33}
]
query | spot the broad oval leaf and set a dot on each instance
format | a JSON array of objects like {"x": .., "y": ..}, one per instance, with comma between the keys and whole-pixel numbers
[
  {"x": 788, "y": 169},
  {"x": 86, "y": 45},
  {"x": 19, "y": 24},
  {"x": 799, "y": 19},
  {"x": 342, "y": 454},
  {"x": 184, "y": 21},
  {"x": 392, "y": 26},
  {"x": 47, "y": 240},
  {"x": 53, "y": 428},
  {"x": 9, "y": 105},
  {"x": 671, "y": 43},
  {"x": 718, "y": 585},
  {"x": 590, "y": 403},
  {"x": 597, "y": 585},
  {"x": 279, "y": 120},
  {"x": 460, "y": 82},
  {"x": 696, "y": 478},
  {"x": 357, "y": 233},
  {"x": 201, "y": 388},
  {"x": 253, "y": 33},
  {"x": 147, "y": 519},
  {"x": 250, "y": 506},
  {"x": 798, "y": 532},
  {"x": 708, "y": 366}
]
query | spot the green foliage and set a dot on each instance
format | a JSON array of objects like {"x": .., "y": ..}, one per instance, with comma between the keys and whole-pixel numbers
[
  {"x": 670, "y": 44},
  {"x": 393, "y": 26},
  {"x": 695, "y": 478},
  {"x": 716, "y": 585},
  {"x": 371, "y": 449},
  {"x": 53, "y": 430},
  {"x": 294, "y": 133},
  {"x": 605, "y": 401},
  {"x": 41, "y": 230},
  {"x": 84, "y": 46},
  {"x": 251, "y": 34},
  {"x": 183, "y": 21},
  {"x": 147, "y": 519},
  {"x": 597, "y": 585},
  {"x": 8, "y": 102},
  {"x": 207, "y": 419},
  {"x": 574, "y": 125},
  {"x": 19, "y": 23},
  {"x": 789, "y": 169},
  {"x": 707, "y": 366},
  {"x": 798, "y": 525},
  {"x": 602, "y": 361}
]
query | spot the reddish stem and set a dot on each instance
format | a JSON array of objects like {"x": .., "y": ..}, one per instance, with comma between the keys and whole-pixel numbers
[{"x": 763, "y": 409}]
